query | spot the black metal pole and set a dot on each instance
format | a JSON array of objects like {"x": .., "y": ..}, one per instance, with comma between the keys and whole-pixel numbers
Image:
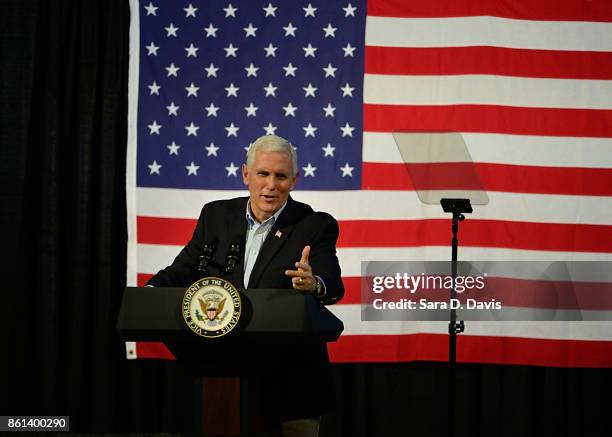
[
  {"x": 457, "y": 207},
  {"x": 452, "y": 326}
]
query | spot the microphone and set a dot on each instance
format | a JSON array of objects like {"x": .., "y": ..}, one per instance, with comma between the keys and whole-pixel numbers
[
  {"x": 233, "y": 256},
  {"x": 207, "y": 253}
]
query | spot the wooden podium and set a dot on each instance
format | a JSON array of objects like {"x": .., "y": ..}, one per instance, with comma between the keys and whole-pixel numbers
[{"x": 269, "y": 320}]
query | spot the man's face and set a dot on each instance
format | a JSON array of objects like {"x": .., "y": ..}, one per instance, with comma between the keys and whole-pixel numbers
[{"x": 270, "y": 178}]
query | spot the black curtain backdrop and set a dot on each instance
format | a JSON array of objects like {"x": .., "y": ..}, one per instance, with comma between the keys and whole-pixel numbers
[{"x": 63, "y": 135}]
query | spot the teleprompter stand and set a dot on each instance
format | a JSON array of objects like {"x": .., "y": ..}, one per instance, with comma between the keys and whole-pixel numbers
[
  {"x": 457, "y": 207},
  {"x": 269, "y": 320},
  {"x": 442, "y": 173}
]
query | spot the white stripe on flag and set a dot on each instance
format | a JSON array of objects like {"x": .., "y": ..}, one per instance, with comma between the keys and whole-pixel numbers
[
  {"x": 488, "y": 31},
  {"x": 393, "y": 205},
  {"x": 353, "y": 325},
  {"x": 487, "y": 90},
  {"x": 153, "y": 257},
  {"x": 509, "y": 149}
]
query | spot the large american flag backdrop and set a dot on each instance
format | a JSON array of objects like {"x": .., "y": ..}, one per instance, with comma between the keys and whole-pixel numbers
[{"x": 527, "y": 83}]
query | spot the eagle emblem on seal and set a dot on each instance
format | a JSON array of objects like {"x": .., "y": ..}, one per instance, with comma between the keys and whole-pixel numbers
[{"x": 213, "y": 308}]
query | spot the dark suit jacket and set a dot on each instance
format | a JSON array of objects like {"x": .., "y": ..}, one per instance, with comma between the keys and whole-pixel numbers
[{"x": 297, "y": 383}]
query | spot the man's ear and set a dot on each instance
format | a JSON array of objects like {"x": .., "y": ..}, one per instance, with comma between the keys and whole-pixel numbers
[
  {"x": 294, "y": 181},
  {"x": 245, "y": 173}
]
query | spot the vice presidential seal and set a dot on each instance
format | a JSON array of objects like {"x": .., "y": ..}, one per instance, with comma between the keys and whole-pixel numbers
[{"x": 211, "y": 307}]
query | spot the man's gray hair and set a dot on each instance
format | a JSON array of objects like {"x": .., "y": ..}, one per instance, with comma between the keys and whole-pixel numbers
[{"x": 273, "y": 143}]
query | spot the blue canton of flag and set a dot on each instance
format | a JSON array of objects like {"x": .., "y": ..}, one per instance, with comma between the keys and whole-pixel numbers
[{"x": 214, "y": 76}]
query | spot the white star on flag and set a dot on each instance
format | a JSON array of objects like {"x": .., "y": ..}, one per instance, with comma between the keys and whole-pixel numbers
[
  {"x": 154, "y": 128},
  {"x": 190, "y": 11},
  {"x": 230, "y": 51},
  {"x": 171, "y": 30},
  {"x": 309, "y": 170},
  {"x": 251, "y": 110},
  {"x": 329, "y": 110},
  {"x": 232, "y": 169},
  {"x": 290, "y": 70},
  {"x": 347, "y": 90},
  {"x": 211, "y": 70},
  {"x": 211, "y": 110},
  {"x": 151, "y": 10},
  {"x": 192, "y": 130},
  {"x": 212, "y": 149},
  {"x": 270, "y": 129},
  {"x": 309, "y": 51},
  {"x": 347, "y": 170},
  {"x": 192, "y": 90},
  {"x": 251, "y": 70},
  {"x": 309, "y": 11},
  {"x": 232, "y": 130},
  {"x": 348, "y": 50},
  {"x": 211, "y": 31},
  {"x": 154, "y": 88},
  {"x": 270, "y": 90},
  {"x": 270, "y": 50},
  {"x": 250, "y": 31},
  {"x": 232, "y": 90},
  {"x": 172, "y": 109},
  {"x": 192, "y": 169},
  {"x": 154, "y": 167},
  {"x": 192, "y": 51},
  {"x": 152, "y": 49},
  {"x": 349, "y": 10},
  {"x": 347, "y": 130},
  {"x": 330, "y": 70},
  {"x": 172, "y": 70},
  {"x": 329, "y": 150},
  {"x": 309, "y": 131},
  {"x": 173, "y": 148},
  {"x": 270, "y": 10},
  {"x": 290, "y": 110},
  {"x": 230, "y": 11},
  {"x": 290, "y": 29},
  {"x": 309, "y": 90},
  {"x": 330, "y": 31}
]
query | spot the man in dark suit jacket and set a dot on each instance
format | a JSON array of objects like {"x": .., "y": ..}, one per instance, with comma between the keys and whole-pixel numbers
[{"x": 282, "y": 244}]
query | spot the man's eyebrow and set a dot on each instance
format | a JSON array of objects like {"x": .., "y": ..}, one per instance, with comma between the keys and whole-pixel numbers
[{"x": 280, "y": 173}]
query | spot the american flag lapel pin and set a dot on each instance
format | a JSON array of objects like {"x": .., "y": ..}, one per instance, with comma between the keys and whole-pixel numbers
[{"x": 278, "y": 234}]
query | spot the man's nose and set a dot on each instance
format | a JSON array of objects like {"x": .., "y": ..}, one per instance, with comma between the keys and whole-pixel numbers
[{"x": 271, "y": 182}]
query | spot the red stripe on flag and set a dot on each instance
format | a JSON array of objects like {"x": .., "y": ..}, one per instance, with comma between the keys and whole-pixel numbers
[
  {"x": 158, "y": 230},
  {"x": 143, "y": 278},
  {"x": 471, "y": 349},
  {"x": 444, "y": 176},
  {"x": 569, "y": 295},
  {"x": 476, "y": 233},
  {"x": 511, "y": 292},
  {"x": 489, "y": 118},
  {"x": 352, "y": 290},
  {"x": 500, "y": 177},
  {"x": 435, "y": 232},
  {"x": 563, "y": 295},
  {"x": 154, "y": 350},
  {"x": 488, "y": 60},
  {"x": 389, "y": 348},
  {"x": 434, "y": 347},
  {"x": 567, "y": 10}
]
